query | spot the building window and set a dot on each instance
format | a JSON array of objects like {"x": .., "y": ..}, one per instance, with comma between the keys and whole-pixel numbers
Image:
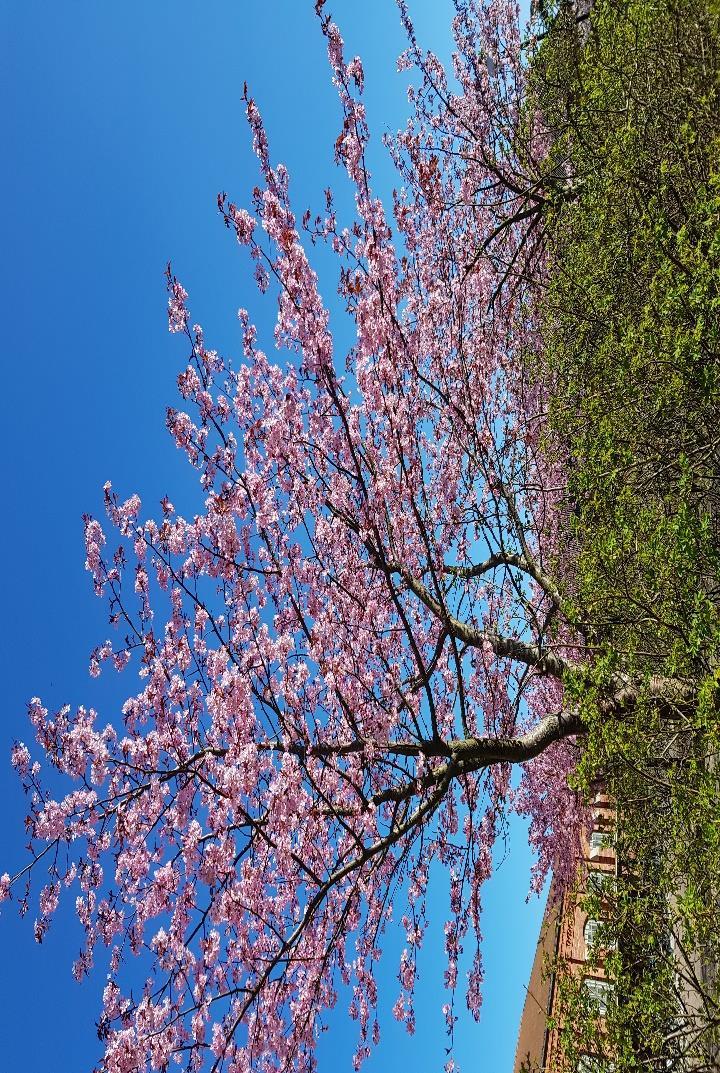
[
  {"x": 599, "y": 882},
  {"x": 592, "y": 1063},
  {"x": 598, "y": 991},
  {"x": 591, "y": 930},
  {"x": 597, "y": 843}
]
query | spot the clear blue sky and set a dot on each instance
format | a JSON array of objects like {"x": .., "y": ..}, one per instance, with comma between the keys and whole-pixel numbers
[{"x": 120, "y": 123}]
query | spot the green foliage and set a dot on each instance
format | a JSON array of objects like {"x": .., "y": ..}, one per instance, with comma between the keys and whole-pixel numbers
[{"x": 631, "y": 352}]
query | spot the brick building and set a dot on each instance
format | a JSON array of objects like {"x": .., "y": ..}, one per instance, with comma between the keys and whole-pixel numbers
[{"x": 566, "y": 935}]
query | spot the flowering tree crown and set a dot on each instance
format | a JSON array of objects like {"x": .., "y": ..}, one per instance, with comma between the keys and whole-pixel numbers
[{"x": 342, "y": 656}]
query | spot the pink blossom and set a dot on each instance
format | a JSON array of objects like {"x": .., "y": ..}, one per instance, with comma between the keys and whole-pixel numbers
[
  {"x": 355, "y": 71},
  {"x": 94, "y": 541},
  {"x": 178, "y": 315},
  {"x": 243, "y": 223},
  {"x": 20, "y": 758}
]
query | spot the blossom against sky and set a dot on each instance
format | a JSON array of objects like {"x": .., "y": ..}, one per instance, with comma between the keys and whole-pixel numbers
[{"x": 120, "y": 127}]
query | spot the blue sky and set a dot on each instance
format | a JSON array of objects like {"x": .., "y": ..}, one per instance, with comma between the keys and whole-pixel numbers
[{"x": 120, "y": 125}]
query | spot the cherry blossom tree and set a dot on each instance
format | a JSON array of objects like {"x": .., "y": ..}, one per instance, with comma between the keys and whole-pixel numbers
[{"x": 343, "y": 656}]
